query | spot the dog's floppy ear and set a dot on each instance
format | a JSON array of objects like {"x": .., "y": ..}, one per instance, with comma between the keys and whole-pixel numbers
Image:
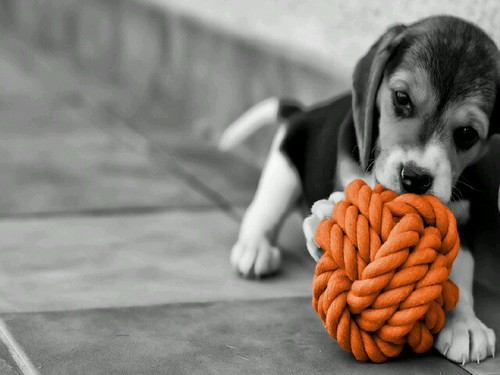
[
  {"x": 366, "y": 80},
  {"x": 495, "y": 115}
]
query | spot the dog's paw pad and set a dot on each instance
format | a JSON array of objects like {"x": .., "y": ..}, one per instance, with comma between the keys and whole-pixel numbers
[{"x": 464, "y": 339}]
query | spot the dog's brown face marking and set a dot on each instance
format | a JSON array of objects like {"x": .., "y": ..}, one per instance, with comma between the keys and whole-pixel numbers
[{"x": 435, "y": 102}]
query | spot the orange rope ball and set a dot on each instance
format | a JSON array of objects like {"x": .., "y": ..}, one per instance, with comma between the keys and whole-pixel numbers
[{"x": 382, "y": 281}]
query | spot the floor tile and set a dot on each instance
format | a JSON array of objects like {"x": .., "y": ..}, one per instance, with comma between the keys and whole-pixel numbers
[
  {"x": 281, "y": 336},
  {"x": 178, "y": 256},
  {"x": 230, "y": 176},
  {"x": 85, "y": 173}
]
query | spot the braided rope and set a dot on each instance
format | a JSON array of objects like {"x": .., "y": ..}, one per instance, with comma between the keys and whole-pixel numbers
[{"x": 382, "y": 281}]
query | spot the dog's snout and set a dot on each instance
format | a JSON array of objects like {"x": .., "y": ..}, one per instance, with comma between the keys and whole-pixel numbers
[{"x": 415, "y": 179}]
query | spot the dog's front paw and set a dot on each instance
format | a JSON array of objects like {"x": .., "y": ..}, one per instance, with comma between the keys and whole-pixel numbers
[
  {"x": 320, "y": 210},
  {"x": 465, "y": 338},
  {"x": 255, "y": 257}
]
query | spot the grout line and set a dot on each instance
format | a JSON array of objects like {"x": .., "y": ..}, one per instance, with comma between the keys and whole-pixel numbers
[
  {"x": 463, "y": 367},
  {"x": 190, "y": 178},
  {"x": 16, "y": 351},
  {"x": 202, "y": 303},
  {"x": 105, "y": 212}
]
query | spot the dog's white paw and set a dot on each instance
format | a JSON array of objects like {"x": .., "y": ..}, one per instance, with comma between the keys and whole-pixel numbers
[
  {"x": 321, "y": 209},
  {"x": 255, "y": 257},
  {"x": 309, "y": 227},
  {"x": 464, "y": 338}
]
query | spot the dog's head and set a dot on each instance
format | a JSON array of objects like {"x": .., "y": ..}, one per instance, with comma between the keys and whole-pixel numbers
[{"x": 426, "y": 100}]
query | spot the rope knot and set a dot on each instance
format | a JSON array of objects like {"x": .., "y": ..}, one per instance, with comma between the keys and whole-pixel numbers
[{"x": 382, "y": 281}]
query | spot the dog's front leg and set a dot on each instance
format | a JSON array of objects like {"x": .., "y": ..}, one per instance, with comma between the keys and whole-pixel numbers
[
  {"x": 464, "y": 337},
  {"x": 255, "y": 252}
]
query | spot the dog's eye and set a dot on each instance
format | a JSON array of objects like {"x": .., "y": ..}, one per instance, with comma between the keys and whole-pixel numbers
[
  {"x": 402, "y": 98},
  {"x": 402, "y": 103},
  {"x": 465, "y": 137}
]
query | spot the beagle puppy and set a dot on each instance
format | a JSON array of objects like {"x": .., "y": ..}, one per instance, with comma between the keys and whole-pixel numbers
[{"x": 424, "y": 105}]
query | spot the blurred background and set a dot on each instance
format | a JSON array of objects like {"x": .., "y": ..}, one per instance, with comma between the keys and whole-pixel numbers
[{"x": 113, "y": 193}]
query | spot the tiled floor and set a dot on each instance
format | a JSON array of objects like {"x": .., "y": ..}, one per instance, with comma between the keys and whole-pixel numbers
[
  {"x": 278, "y": 336},
  {"x": 99, "y": 212},
  {"x": 134, "y": 220}
]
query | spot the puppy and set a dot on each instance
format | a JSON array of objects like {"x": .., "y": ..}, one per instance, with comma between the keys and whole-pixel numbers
[{"x": 425, "y": 102}]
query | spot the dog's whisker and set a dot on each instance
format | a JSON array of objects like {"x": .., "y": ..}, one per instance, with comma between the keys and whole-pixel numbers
[
  {"x": 457, "y": 193},
  {"x": 372, "y": 163},
  {"x": 461, "y": 180}
]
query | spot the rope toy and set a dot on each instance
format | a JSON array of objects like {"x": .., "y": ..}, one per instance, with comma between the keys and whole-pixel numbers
[{"x": 382, "y": 281}]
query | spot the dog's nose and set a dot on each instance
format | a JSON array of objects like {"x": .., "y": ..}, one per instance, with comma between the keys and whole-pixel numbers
[{"x": 415, "y": 179}]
